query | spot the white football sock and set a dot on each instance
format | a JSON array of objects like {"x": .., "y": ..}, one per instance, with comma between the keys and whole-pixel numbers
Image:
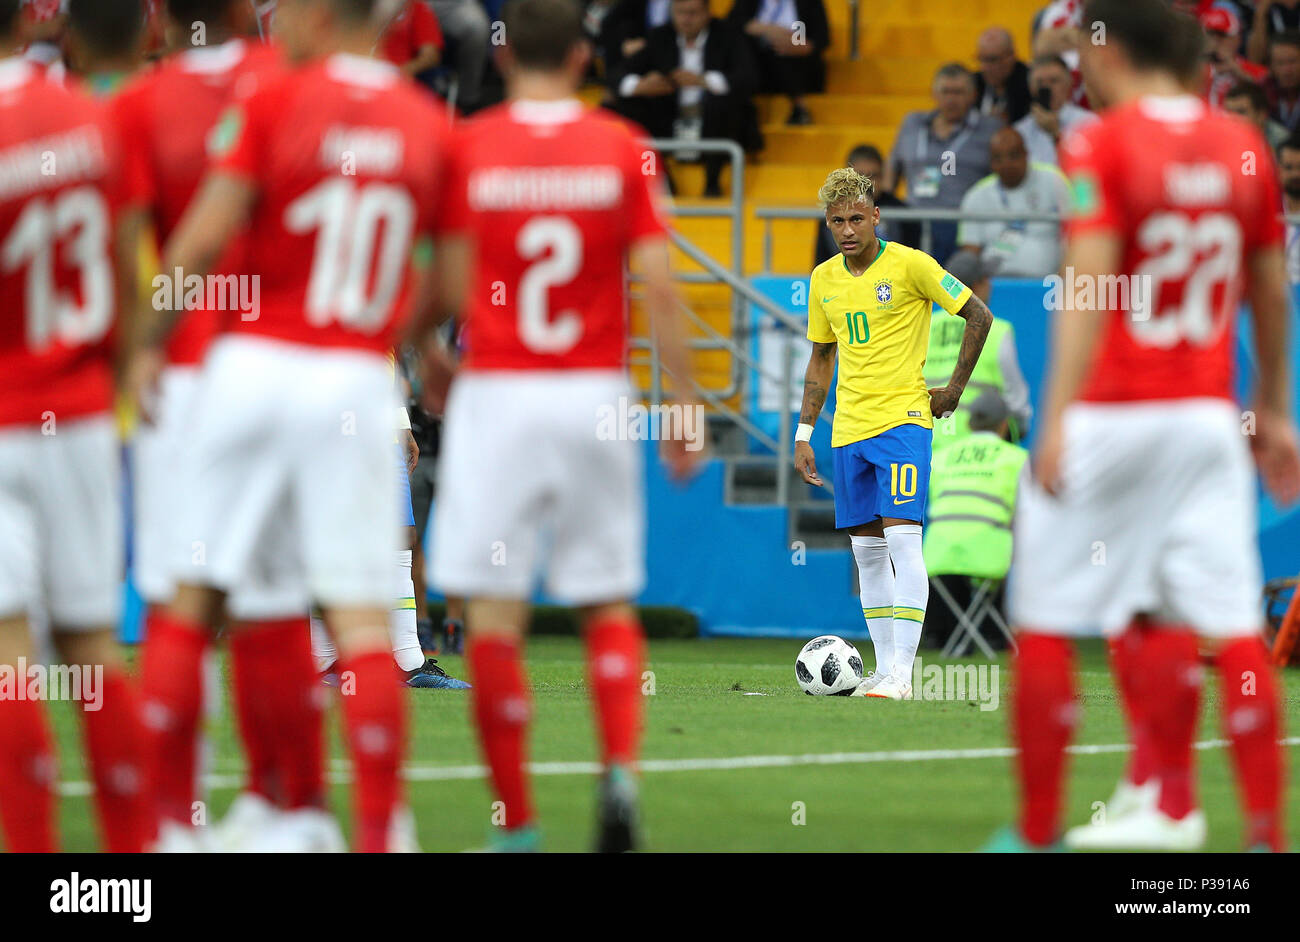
[
  {"x": 322, "y": 645},
  {"x": 402, "y": 629},
  {"x": 911, "y": 593},
  {"x": 876, "y": 591}
]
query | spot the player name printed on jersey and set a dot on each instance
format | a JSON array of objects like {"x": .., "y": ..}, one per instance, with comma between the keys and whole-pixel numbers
[
  {"x": 1200, "y": 184},
  {"x": 58, "y": 160},
  {"x": 503, "y": 189},
  {"x": 352, "y": 150}
]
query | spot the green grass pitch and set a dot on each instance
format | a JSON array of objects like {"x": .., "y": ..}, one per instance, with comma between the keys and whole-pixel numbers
[{"x": 699, "y": 711}]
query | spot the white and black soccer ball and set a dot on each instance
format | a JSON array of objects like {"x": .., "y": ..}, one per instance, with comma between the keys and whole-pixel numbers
[{"x": 828, "y": 666}]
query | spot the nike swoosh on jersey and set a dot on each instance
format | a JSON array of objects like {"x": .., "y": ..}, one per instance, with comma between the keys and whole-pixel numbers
[
  {"x": 897, "y": 502},
  {"x": 830, "y": 299}
]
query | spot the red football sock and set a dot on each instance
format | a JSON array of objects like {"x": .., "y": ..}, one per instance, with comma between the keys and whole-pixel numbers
[
  {"x": 1044, "y": 715},
  {"x": 1253, "y": 723},
  {"x": 1167, "y": 664},
  {"x": 115, "y": 743},
  {"x": 26, "y": 778},
  {"x": 171, "y": 691},
  {"x": 374, "y": 715},
  {"x": 1123, "y": 654},
  {"x": 280, "y": 718},
  {"x": 254, "y": 723},
  {"x": 615, "y": 653},
  {"x": 502, "y": 712}
]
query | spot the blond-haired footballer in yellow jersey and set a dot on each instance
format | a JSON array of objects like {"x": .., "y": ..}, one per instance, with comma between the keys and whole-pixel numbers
[{"x": 871, "y": 305}]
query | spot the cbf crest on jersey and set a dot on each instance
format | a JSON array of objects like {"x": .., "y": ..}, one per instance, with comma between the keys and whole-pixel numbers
[{"x": 884, "y": 292}]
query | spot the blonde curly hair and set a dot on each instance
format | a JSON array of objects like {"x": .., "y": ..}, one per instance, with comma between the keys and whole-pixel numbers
[{"x": 846, "y": 185}]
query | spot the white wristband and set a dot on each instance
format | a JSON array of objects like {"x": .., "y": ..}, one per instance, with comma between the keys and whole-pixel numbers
[{"x": 803, "y": 433}]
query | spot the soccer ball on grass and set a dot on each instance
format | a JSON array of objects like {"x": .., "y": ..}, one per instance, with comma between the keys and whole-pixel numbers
[{"x": 828, "y": 666}]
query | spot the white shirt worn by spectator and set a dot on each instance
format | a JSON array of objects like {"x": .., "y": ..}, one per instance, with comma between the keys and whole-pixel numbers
[
  {"x": 1293, "y": 253},
  {"x": 692, "y": 60},
  {"x": 1020, "y": 249},
  {"x": 1039, "y": 143},
  {"x": 778, "y": 13}
]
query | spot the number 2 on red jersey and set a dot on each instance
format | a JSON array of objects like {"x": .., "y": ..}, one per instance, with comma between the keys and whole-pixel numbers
[{"x": 557, "y": 242}]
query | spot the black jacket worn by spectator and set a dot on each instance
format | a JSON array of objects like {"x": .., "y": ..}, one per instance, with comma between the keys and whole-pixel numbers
[
  {"x": 1017, "y": 92},
  {"x": 788, "y": 75},
  {"x": 626, "y": 21},
  {"x": 727, "y": 116}
]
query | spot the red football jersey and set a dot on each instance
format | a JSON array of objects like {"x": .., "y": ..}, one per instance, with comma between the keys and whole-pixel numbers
[
  {"x": 552, "y": 194},
  {"x": 61, "y": 187},
  {"x": 168, "y": 115},
  {"x": 345, "y": 154},
  {"x": 1193, "y": 194}
]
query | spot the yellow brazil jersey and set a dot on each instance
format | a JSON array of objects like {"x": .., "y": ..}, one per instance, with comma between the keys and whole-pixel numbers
[{"x": 881, "y": 321}]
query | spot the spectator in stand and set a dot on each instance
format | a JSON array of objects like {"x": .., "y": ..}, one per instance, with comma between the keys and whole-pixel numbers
[
  {"x": 1017, "y": 249},
  {"x": 465, "y": 23},
  {"x": 1058, "y": 15},
  {"x": 1288, "y": 162},
  {"x": 1283, "y": 82},
  {"x": 867, "y": 161},
  {"x": 412, "y": 40},
  {"x": 1052, "y": 112},
  {"x": 623, "y": 33},
  {"x": 1223, "y": 44},
  {"x": 692, "y": 79},
  {"x": 942, "y": 153},
  {"x": 1249, "y": 101},
  {"x": 1002, "y": 82},
  {"x": 1272, "y": 18},
  {"x": 44, "y": 23},
  {"x": 788, "y": 39}
]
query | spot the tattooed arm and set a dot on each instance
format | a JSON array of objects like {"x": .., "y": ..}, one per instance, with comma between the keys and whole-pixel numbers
[
  {"x": 944, "y": 399},
  {"x": 816, "y": 385}
]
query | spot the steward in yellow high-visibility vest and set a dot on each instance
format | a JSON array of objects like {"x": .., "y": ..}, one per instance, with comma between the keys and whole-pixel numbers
[
  {"x": 973, "y": 485},
  {"x": 997, "y": 369}
]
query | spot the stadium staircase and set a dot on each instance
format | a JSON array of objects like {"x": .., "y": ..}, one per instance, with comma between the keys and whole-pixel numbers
[{"x": 900, "y": 45}]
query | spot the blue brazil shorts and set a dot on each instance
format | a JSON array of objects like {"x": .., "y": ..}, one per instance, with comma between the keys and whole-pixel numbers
[{"x": 887, "y": 475}]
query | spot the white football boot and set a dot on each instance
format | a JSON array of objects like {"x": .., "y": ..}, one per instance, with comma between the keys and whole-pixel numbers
[
  {"x": 1142, "y": 829},
  {"x": 174, "y": 838},
  {"x": 249, "y": 816},
  {"x": 891, "y": 688},
  {"x": 402, "y": 837},
  {"x": 867, "y": 683},
  {"x": 301, "y": 831},
  {"x": 1128, "y": 798}
]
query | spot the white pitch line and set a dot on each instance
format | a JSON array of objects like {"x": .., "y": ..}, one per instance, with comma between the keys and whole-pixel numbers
[{"x": 340, "y": 771}]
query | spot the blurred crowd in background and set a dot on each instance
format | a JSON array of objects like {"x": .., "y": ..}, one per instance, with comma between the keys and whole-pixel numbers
[{"x": 988, "y": 144}]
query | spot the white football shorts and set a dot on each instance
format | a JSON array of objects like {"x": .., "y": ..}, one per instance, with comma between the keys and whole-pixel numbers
[
  {"x": 61, "y": 542},
  {"x": 289, "y": 473},
  {"x": 532, "y": 484},
  {"x": 1157, "y": 516}
]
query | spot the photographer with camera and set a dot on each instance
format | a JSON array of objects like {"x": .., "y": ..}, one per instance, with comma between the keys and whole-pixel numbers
[{"x": 1051, "y": 113}]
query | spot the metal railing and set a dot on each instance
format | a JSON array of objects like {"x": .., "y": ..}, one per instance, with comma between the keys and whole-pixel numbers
[
  {"x": 782, "y": 445},
  {"x": 733, "y": 209}
]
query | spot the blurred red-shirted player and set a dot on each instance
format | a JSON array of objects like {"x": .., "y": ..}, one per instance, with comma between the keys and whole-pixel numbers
[
  {"x": 62, "y": 191},
  {"x": 412, "y": 40},
  {"x": 1142, "y": 524},
  {"x": 332, "y": 168},
  {"x": 546, "y": 201},
  {"x": 169, "y": 114}
]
